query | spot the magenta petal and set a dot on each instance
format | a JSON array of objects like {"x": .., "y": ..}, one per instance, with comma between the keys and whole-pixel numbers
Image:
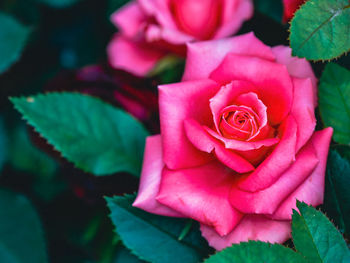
[
  {"x": 201, "y": 193},
  {"x": 156, "y": 33},
  {"x": 303, "y": 110},
  {"x": 204, "y": 142},
  {"x": 312, "y": 190},
  {"x": 129, "y": 19},
  {"x": 251, "y": 227},
  {"x": 251, "y": 100},
  {"x": 267, "y": 201},
  {"x": 276, "y": 163},
  {"x": 178, "y": 102},
  {"x": 234, "y": 14},
  {"x": 204, "y": 23},
  {"x": 134, "y": 57},
  {"x": 160, "y": 10},
  {"x": 204, "y": 57},
  {"x": 150, "y": 179},
  {"x": 275, "y": 92},
  {"x": 297, "y": 67},
  {"x": 242, "y": 145}
]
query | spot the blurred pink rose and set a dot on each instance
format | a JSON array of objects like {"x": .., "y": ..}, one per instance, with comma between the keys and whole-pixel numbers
[
  {"x": 238, "y": 143},
  {"x": 290, "y": 6},
  {"x": 150, "y": 29}
]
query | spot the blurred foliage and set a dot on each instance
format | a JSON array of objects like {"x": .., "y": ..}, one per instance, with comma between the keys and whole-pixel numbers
[
  {"x": 21, "y": 235},
  {"x": 334, "y": 101},
  {"x": 13, "y": 38}
]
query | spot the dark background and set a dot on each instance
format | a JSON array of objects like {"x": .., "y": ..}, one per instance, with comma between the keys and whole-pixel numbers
[{"x": 70, "y": 202}]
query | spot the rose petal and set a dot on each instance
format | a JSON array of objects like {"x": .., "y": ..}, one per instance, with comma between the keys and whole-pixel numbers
[
  {"x": 150, "y": 179},
  {"x": 303, "y": 110},
  {"x": 312, "y": 190},
  {"x": 178, "y": 102},
  {"x": 242, "y": 145},
  {"x": 159, "y": 9},
  {"x": 275, "y": 92},
  {"x": 267, "y": 201},
  {"x": 201, "y": 193},
  {"x": 129, "y": 19},
  {"x": 251, "y": 100},
  {"x": 134, "y": 57},
  {"x": 156, "y": 33},
  {"x": 204, "y": 57},
  {"x": 204, "y": 23},
  {"x": 234, "y": 14},
  {"x": 201, "y": 139},
  {"x": 297, "y": 67},
  {"x": 276, "y": 163},
  {"x": 251, "y": 227}
]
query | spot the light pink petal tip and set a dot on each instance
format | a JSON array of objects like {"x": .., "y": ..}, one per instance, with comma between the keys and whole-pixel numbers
[
  {"x": 132, "y": 56},
  {"x": 204, "y": 57},
  {"x": 251, "y": 227},
  {"x": 201, "y": 193},
  {"x": 241, "y": 10},
  {"x": 129, "y": 19},
  {"x": 297, "y": 67},
  {"x": 150, "y": 179},
  {"x": 303, "y": 110},
  {"x": 176, "y": 104}
]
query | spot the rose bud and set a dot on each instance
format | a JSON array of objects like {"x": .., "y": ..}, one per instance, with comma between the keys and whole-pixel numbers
[
  {"x": 151, "y": 29},
  {"x": 238, "y": 143}
]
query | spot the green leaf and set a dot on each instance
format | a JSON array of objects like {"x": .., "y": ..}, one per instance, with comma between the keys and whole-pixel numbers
[
  {"x": 320, "y": 29},
  {"x": 94, "y": 135},
  {"x": 316, "y": 238},
  {"x": 343, "y": 150},
  {"x": 337, "y": 196},
  {"x": 3, "y": 143},
  {"x": 334, "y": 101},
  {"x": 124, "y": 256},
  {"x": 59, "y": 3},
  {"x": 24, "y": 156},
  {"x": 13, "y": 37},
  {"x": 155, "y": 238},
  {"x": 256, "y": 252},
  {"x": 21, "y": 237}
]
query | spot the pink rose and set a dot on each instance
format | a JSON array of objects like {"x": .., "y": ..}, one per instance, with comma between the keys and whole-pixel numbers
[
  {"x": 151, "y": 29},
  {"x": 237, "y": 144},
  {"x": 290, "y": 6}
]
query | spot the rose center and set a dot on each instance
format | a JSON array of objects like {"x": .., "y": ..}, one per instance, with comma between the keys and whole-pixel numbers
[{"x": 238, "y": 122}]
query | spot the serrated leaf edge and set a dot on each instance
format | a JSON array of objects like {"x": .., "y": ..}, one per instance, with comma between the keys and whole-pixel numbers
[{"x": 51, "y": 142}]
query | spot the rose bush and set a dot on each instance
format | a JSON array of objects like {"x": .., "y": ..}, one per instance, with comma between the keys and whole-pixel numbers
[
  {"x": 289, "y": 8},
  {"x": 237, "y": 144},
  {"x": 151, "y": 29}
]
